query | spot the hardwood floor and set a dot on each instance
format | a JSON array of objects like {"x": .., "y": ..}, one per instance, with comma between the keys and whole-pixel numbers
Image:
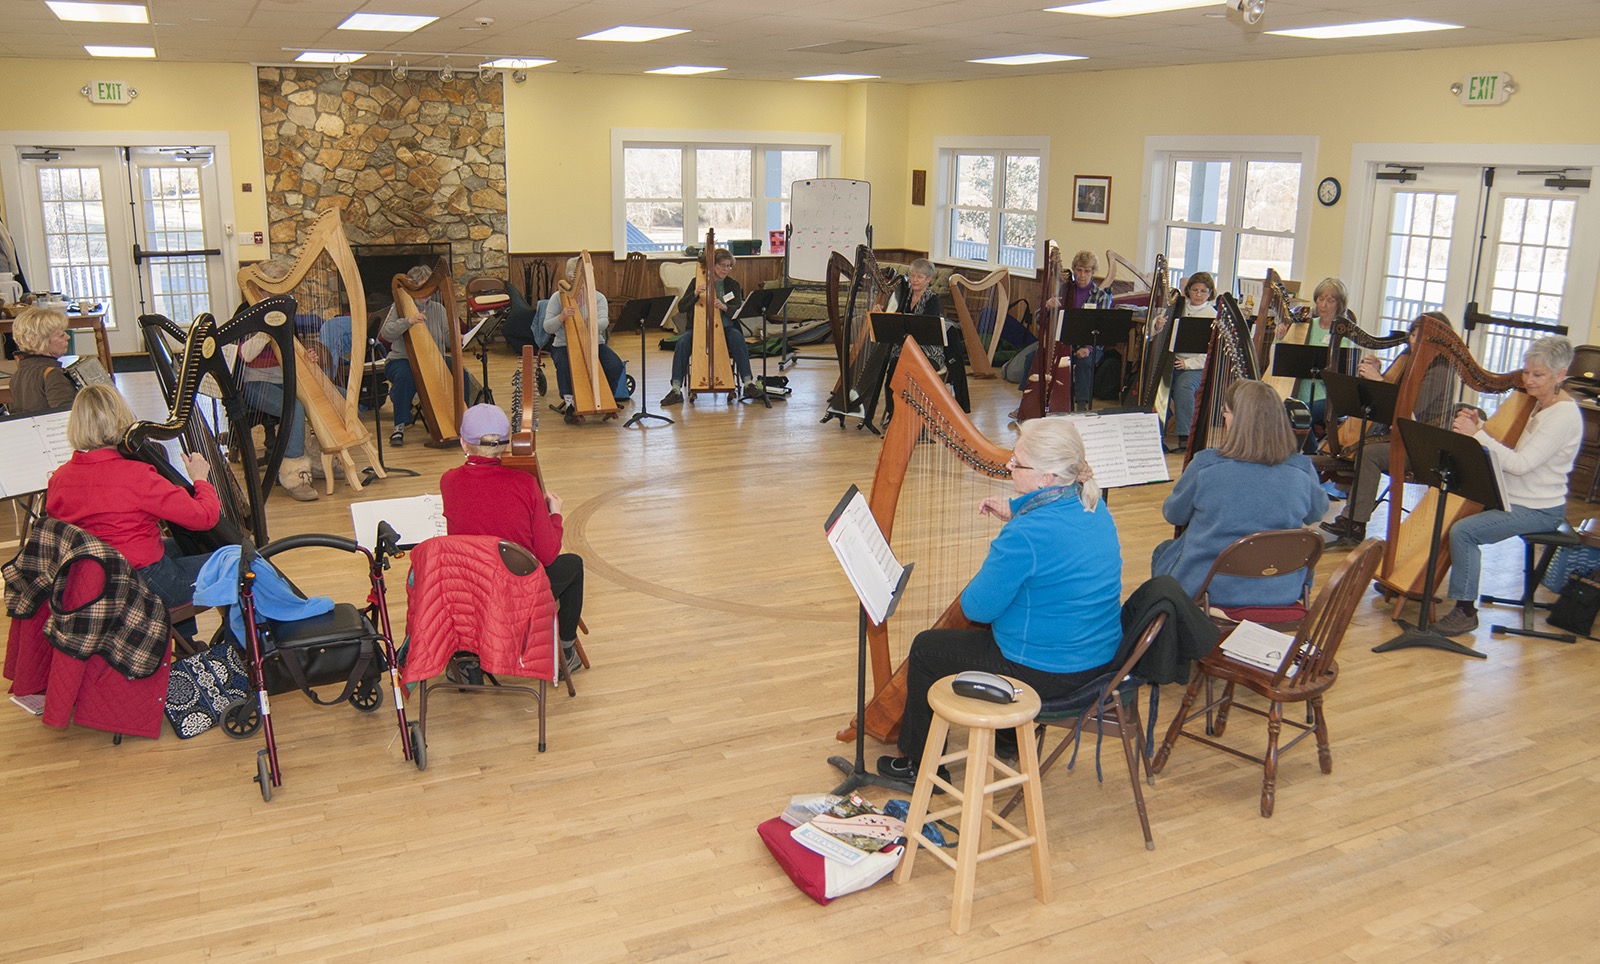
[{"x": 1459, "y": 822}]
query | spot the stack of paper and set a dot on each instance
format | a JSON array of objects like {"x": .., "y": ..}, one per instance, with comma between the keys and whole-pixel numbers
[{"x": 1257, "y": 645}]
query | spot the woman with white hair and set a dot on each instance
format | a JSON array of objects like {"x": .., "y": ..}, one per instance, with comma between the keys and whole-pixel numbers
[
  {"x": 1535, "y": 472},
  {"x": 1049, "y": 590},
  {"x": 397, "y": 367},
  {"x": 40, "y": 384}
]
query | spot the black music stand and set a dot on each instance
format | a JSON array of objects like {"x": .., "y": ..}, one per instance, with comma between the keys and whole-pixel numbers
[
  {"x": 647, "y": 313},
  {"x": 1193, "y": 336},
  {"x": 1455, "y": 464},
  {"x": 1300, "y": 362},
  {"x": 1095, "y": 327},
  {"x": 891, "y": 330},
  {"x": 376, "y": 394},
  {"x": 762, "y": 303},
  {"x": 479, "y": 339},
  {"x": 1368, "y": 399}
]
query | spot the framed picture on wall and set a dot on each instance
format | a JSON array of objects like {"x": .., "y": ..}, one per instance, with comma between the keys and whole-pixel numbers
[{"x": 1091, "y": 198}]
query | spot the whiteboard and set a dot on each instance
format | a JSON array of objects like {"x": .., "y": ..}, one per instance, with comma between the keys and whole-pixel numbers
[{"x": 826, "y": 214}]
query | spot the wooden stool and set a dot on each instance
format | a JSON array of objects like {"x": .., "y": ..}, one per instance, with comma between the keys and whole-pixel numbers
[{"x": 975, "y": 800}]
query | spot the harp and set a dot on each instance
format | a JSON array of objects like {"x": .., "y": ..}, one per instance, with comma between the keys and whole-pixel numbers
[
  {"x": 981, "y": 308},
  {"x": 325, "y": 285},
  {"x": 524, "y": 418},
  {"x": 1156, "y": 356},
  {"x": 1230, "y": 356},
  {"x": 710, "y": 368},
  {"x": 1140, "y": 290},
  {"x": 1405, "y": 554},
  {"x": 1275, "y": 309},
  {"x": 841, "y": 273},
  {"x": 590, "y": 393},
  {"x": 1344, "y": 327},
  {"x": 1049, "y": 387},
  {"x": 204, "y": 369},
  {"x": 439, "y": 379},
  {"x": 933, "y": 469},
  {"x": 862, "y": 360}
]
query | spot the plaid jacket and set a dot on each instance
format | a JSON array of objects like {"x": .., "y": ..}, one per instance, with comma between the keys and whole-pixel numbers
[{"x": 126, "y": 624}]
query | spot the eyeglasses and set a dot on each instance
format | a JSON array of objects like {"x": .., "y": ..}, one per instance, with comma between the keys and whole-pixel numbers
[{"x": 1013, "y": 464}]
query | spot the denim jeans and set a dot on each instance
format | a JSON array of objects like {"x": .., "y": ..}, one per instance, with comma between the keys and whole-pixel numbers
[
  {"x": 738, "y": 352},
  {"x": 1485, "y": 529},
  {"x": 610, "y": 367}
]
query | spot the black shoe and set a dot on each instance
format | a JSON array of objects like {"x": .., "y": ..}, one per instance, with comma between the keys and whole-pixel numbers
[
  {"x": 397, "y": 438},
  {"x": 1349, "y": 533},
  {"x": 672, "y": 397},
  {"x": 571, "y": 661},
  {"x": 902, "y": 768}
]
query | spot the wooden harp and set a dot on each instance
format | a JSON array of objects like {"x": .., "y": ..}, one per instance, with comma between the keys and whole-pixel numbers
[
  {"x": 1049, "y": 385},
  {"x": 525, "y": 420},
  {"x": 440, "y": 380},
  {"x": 1231, "y": 356},
  {"x": 325, "y": 285},
  {"x": 1156, "y": 357},
  {"x": 981, "y": 308},
  {"x": 590, "y": 393},
  {"x": 933, "y": 469},
  {"x": 1405, "y": 553},
  {"x": 710, "y": 368},
  {"x": 1275, "y": 309},
  {"x": 1140, "y": 291}
]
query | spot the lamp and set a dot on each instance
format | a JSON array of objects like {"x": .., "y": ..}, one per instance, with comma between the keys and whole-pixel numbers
[
  {"x": 519, "y": 75},
  {"x": 486, "y": 74},
  {"x": 399, "y": 72},
  {"x": 447, "y": 74},
  {"x": 1251, "y": 10},
  {"x": 341, "y": 71}
]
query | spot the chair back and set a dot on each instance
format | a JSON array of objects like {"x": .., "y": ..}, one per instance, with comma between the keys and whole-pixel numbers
[
  {"x": 1101, "y": 693},
  {"x": 633, "y": 276},
  {"x": 1262, "y": 555},
  {"x": 1311, "y": 656}
]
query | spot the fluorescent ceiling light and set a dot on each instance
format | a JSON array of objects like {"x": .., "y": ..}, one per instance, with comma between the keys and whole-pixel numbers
[
  {"x": 388, "y": 22},
  {"x": 99, "y": 12},
  {"x": 1129, "y": 8},
  {"x": 684, "y": 70},
  {"x": 517, "y": 63},
  {"x": 833, "y": 77},
  {"x": 633, "y": 35},
  {"x": 327, "y": 57},
  {"x": 1372, "y": 28},
  {"x": 1023, "y": 60},
  {"x": 97, "y": 51}
]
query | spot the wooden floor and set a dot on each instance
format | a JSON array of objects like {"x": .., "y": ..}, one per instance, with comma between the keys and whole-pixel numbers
[{"x": 1460, "y": 822}]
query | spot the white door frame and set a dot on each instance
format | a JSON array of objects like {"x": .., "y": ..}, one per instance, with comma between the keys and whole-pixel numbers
[{"x": 1366, "y": 160}]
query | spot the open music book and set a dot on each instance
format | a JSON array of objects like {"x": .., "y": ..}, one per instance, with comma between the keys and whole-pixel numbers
[
  {"x": 415, "y": 519},
  {"x": 1123, "y": 449},
  {"x": 865, "y": 555},
  {"x": 34, "y": 447},
  {"x": 1259, "y": 646}
]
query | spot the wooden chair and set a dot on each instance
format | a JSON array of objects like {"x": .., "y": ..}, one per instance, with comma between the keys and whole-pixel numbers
[
  {"x": 1264, "y": 555},
  {"x": 1308, "y": 670},
  {"x": 634, "y": 272},
  {"x": 1107, "y": 706}
]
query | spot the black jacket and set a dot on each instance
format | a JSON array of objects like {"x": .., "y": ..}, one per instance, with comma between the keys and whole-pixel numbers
[{"x": 1188, "y": 635}]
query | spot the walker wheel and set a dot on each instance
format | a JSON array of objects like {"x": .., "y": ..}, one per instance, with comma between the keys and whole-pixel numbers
[
  {"x": 419, "y": 749},
  {"x": 264, "y": 775},
  {"x": 632, "y": 385},
  {"x": 367, "y": 696},
  {"x": 242, "y": 718}
]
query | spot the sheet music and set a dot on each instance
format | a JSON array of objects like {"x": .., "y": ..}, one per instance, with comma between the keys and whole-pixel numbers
[
  {"x": 1257, "y": 645},
  {"x": 1123, "y": 449},
  {"x": 865, "y": 555},
  {"x": 34, "y": 448},
  {"x": 416, "y": 518},
  {"x": 473, "y": 333}
]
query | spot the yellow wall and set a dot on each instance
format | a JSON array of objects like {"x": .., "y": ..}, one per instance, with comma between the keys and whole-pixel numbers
[{"x": 44, "y": 95}]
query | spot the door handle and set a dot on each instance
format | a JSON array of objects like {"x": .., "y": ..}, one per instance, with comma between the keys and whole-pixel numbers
[{"x": 140, "y": 255}]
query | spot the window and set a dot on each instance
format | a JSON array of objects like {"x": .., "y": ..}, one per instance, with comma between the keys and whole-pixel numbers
[
  {"x": 672, "y": 191},
  {"x": 991, "y": 201},
  {"x": 1233, "y": 206},
  {"x": 77, "y": 249}
]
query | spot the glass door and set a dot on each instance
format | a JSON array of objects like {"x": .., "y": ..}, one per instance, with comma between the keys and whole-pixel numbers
[{"x": 178, "y": 251}]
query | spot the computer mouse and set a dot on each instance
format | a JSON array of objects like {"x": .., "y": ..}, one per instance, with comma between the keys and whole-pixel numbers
[{"x": 984, "y": 686}]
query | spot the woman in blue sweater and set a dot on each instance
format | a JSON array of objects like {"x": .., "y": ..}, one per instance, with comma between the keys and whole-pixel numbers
[
  {"x": 1050, "y": 589},
  {"x": 1254, "y": 482}
]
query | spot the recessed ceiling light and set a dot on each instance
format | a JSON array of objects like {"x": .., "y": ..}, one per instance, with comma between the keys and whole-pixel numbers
[
  {"x": 1372, "y": 28},
  {"x": 99, "y": 12},
  {"x": 1023, "y": 60},
  {"x": 684, "y": 70},
  {"x": 633, "y": 35},
  {"x": 517, "y": 63},
  {"x": 835, "y": 77},
  {"x": 388, "y": 22},
  {"x": 327, "y": 57},
  {"x": 1129, "y": 8},
  {"x": 98, "y": 51}
]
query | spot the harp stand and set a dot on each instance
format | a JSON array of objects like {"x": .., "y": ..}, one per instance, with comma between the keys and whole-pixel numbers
[
  {"x": 373, "y": 367},
  {"x": 1460, "y": 465},
  {"x": 649, "y": 313}
]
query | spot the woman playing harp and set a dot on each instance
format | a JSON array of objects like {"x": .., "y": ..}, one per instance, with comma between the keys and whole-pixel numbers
[
  {"x": 422, "y": 327},
  {"x": 862, "y": 360},
  {"x": 579, "y": 318},
  {"x": 1053, "y": 618},
  {"x": 1062, "y": 376}
]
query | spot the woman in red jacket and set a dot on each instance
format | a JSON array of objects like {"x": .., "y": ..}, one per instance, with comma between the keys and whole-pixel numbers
[{"x": 123, "y": 501}]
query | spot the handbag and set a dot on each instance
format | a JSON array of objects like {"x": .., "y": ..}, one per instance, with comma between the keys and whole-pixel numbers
[
  {"x": 1579, "y": 603},
  {"x": 201, "y": 687}
]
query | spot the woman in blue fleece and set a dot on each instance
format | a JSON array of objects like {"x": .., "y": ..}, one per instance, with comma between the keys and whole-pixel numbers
[{"x": 1050, "y": 589}]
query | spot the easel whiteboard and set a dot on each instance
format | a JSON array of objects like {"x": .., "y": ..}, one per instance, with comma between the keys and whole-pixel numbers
[{"x": 826, "y": 214}]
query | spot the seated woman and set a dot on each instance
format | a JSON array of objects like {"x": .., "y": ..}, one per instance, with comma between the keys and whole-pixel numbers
[
  {"x": 123, "y": 502},
  {"x": 1535, "y": 473},
  {"x": 917, "y": 297},
  {"x": 1332, "y": 301},
  {"x": 40, "y": 384},
  {"x": 1054, "y": 617},
  {"x": 485, "y": 498},
  {"x": 1077, "y": 291},
  {"x": 555, "y": 320},
  {"x": 431, "y": 314},
  {"x": 1189, "y": 367},
  {"x": 726, "y": 297},
  {"x": 1254, "y": 482}
]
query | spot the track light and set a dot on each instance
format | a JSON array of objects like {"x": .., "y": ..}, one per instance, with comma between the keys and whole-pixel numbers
[
  {"x": 1251, "y": 10},
  {"x": 519, "y": 75},
  {"x": 341, "y": 71},
  {"x": 399, "y": 72},
  {"x": 486, "y": 74},
  {"x": 447, "y": 74}
]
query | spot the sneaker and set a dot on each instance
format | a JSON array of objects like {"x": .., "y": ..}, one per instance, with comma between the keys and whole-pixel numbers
[
  {"x": 753, "y": 390},
  {"x": 902, "y": 768},
  {"x": 397, "y": 437},
  {"x": 1455, "y": 623},
  {"x": 303, "y": 492},
  {"x": 672, "y": 397},
  {"x": 571, "y": 661}
]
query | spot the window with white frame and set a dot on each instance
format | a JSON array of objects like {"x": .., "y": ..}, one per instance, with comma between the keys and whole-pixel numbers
[
  {"x": 990, "y": 202},
  {"x": 671, "y": 191}
]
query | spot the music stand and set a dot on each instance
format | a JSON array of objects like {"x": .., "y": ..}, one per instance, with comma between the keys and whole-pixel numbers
[
  {"x": 1300, "y": 362},
  {"x": 1455, "y": 464},
  {"x": 1368, "y": 399},
  {"x": 646, "y": 313},
  {"x": 375, "y": 379},
  {"x": 1096, "y": 327},
  {"x": 763, "y": 302},
  {"x": 478, "y": 339},
  {"x": 891, "y": 330},
  {"x": 1193, "y": 336}
]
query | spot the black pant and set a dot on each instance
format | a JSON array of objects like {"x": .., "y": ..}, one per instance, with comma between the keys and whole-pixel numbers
[
  {"x": 566, "y": 585},
  {"x": 937, "y": 653}
]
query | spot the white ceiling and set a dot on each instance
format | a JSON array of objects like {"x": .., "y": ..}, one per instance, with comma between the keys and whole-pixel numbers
[{"x": 927, "y": 40}]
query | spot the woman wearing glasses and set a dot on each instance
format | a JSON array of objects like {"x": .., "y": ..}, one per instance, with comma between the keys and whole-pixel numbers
[
  {"x": 1054, "y": 617},
  {"x": 1255, "y": 481}
]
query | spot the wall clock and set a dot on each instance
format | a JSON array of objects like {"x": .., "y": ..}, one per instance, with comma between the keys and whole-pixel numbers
[{"x": 1328, "y": 191}]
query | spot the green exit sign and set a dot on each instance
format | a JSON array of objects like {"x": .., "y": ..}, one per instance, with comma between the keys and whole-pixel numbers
[
  {"x": 1486, "y": 90},
  {"x": 109, "y": 92}
]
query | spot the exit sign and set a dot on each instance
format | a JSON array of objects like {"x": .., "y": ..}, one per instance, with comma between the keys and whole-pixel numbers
[
  {"x": 109, "y": 92},
  {"x": 1486, "y": 90}
]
